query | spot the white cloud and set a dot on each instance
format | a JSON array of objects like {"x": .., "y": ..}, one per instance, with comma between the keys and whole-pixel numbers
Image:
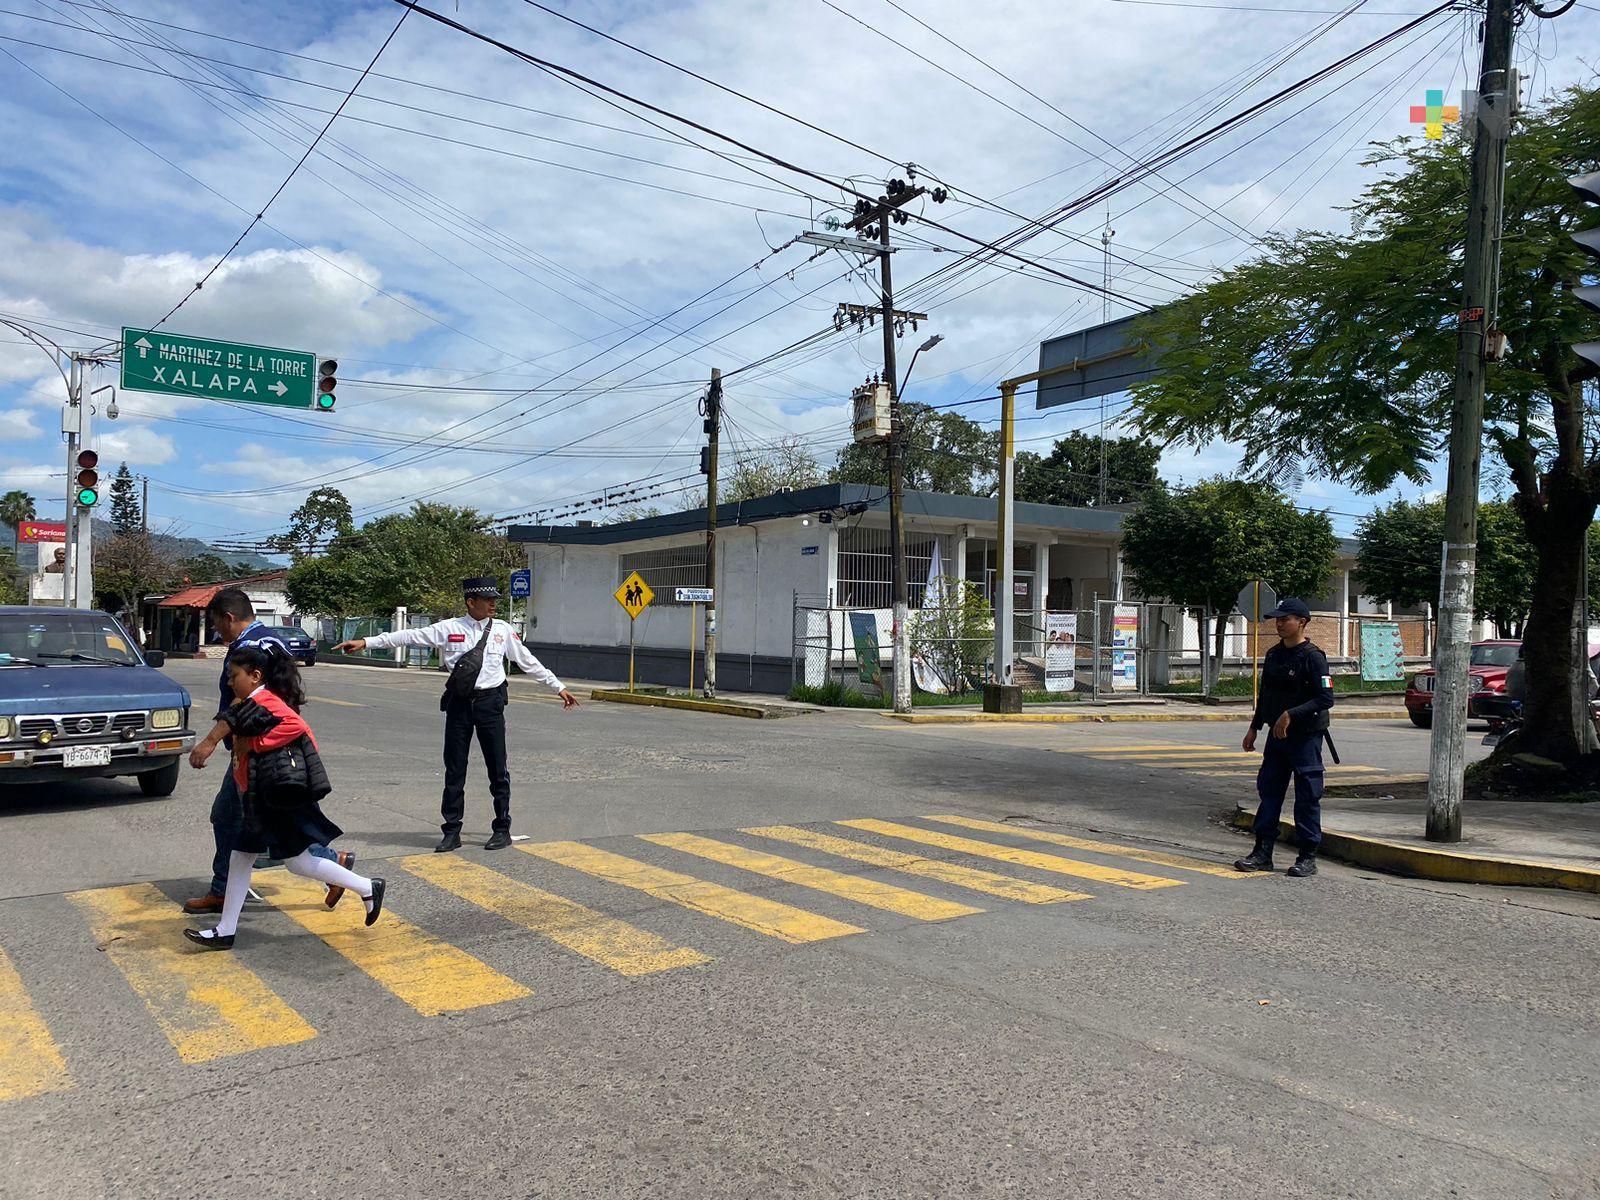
[{"x": 19, "y": 425}]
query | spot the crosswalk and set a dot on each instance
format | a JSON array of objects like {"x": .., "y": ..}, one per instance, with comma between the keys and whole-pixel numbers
[
  {"x": 213, "y": 1006},
  {"x": 1218, "y": 762}
]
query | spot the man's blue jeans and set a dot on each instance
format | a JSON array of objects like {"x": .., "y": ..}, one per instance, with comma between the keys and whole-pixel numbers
[{"x": 227, "y": 822}]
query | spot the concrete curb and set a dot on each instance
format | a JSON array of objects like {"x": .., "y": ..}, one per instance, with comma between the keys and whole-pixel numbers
[
  {"x": 1074, "y": 718},
  {"x": 726, "y": 708},
  {"x": 1447, "y": 866}
]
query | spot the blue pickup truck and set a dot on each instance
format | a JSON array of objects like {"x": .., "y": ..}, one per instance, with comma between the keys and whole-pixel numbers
[{"x": 78, "y": 700}]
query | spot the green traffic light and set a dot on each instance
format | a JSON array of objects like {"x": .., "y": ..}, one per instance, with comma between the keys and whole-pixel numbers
[{"x": 88, "y": 496}]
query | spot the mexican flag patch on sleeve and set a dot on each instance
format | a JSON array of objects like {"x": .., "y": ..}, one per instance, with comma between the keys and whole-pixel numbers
[{"x": 1327, "y": 681}]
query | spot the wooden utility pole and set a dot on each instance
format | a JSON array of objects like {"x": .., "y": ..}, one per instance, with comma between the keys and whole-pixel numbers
[
  {"x": 1497, "y": 102},
  {"x": 713, "y": 428}
]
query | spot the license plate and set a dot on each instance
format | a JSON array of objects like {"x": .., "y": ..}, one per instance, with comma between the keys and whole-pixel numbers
[
  {"x": 86, "y": 756},
  {"x": 1492, "y": 739}
]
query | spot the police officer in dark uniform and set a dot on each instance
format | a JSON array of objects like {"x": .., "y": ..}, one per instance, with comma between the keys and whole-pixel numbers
[{"x": 1296, "y": 694}]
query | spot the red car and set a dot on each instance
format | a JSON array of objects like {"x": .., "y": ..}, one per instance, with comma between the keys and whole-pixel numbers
[{"x": 1490, "y": 662}]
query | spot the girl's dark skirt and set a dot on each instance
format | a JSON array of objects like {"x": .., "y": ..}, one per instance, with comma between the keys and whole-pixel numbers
[{"x": 284, "y": 833}]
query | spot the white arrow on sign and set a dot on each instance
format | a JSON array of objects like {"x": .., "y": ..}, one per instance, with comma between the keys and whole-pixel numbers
[
  {"x": 278, "y": 387},
  {"x": 143, "y": 346}
]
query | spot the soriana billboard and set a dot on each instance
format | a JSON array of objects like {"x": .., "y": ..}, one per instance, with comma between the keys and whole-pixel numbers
[{"x": 42, "y": 531}]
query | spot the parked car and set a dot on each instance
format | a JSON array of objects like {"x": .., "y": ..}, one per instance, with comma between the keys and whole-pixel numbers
[
  {"x": 1488, "y": 666},
  {"x": 302, "y": 646},
  {"x": 79, "y": 700}
]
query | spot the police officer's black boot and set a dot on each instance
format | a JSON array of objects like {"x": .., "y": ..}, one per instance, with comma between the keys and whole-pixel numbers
[
  {"x": 1304, "y": 865},
  {"x": 1259, "y": 859}
]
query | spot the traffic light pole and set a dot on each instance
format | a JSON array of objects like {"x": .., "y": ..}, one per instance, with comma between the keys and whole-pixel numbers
[
  {"x": 77, "y": 580},
  {"x": 1479, "y": 299}
]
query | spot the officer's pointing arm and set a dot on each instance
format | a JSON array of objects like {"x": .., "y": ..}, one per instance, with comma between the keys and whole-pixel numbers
[{"x": 428, "y": 635}]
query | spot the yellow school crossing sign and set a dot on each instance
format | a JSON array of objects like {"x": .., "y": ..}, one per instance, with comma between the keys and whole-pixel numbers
[{"x": 634, "y": 595}]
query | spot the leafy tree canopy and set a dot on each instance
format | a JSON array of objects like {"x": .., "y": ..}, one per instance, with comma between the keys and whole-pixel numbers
[
  {"x": 786, "y": 466},
  {"x": 944, "y": 452},
  {"x": 1070, "y": 473},
  {"x": 322, "y": 515}
]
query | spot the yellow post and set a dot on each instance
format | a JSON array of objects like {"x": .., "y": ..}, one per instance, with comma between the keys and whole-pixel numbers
[
  {"x": 694, "y": 615},
  {"x": 630, "y": 652},
  {"x": 1255, "y": 642}
]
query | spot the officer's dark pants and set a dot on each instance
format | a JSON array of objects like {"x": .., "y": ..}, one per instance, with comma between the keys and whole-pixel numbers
[
  {"x": 484, "y": 712},
  {"x": 1300, "y": 756}
]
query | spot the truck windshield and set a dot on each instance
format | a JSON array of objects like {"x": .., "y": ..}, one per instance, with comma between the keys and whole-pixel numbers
[{"x": 64, "y": 639}]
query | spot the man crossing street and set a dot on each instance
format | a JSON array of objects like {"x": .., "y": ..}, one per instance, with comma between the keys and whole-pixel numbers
[{"x": 474, "y": 649}]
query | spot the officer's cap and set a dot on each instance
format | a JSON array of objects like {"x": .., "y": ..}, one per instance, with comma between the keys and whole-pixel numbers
[
  {"x": 1290, "y": 607},
  {"x": 481, "y": 586}
]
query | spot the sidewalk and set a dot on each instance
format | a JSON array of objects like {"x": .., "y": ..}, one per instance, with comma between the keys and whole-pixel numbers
[{"x": 1504, "y": 842}]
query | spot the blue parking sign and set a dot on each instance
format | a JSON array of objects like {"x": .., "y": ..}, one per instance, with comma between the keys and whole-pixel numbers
[{"x": 521, "y": 584}]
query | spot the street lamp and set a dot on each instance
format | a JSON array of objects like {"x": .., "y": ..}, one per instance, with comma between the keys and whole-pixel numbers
[{"x": 902, "y": 623}]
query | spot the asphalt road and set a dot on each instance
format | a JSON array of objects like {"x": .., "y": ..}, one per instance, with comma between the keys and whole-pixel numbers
[{"x": 822, "y": 956}]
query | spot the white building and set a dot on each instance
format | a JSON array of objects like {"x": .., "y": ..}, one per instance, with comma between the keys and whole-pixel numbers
[{"x": 820, "y": 547}]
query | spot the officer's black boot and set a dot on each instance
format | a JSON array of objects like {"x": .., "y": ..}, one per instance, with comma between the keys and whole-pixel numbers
[
  {"x": 1259, "y": 859},
  {"x": 1304, "y": 865}
]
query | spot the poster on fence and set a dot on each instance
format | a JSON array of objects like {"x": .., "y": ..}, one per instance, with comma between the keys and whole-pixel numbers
[
  {"x": 1382, "y": 656},
  {"x": 1125, "y": 648},
  {"x": 1060, "y": 652},
  {"x": 864, "y": 631}
]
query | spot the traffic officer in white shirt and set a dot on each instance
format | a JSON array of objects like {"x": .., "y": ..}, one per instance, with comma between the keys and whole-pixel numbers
[{"x": 483, "y": 709}]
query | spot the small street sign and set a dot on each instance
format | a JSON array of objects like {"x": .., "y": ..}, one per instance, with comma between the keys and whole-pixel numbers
[
  {"x": 634, "y": 595},
  {"x": 521, "y": 584},
  {"x": 694, "y": 595},
  {"x": 1248, "y": 604},
  {"x": 175, "y": 365}
]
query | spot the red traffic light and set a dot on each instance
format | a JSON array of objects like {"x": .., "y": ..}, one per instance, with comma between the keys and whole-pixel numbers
[{"x": 88, "y": 458}]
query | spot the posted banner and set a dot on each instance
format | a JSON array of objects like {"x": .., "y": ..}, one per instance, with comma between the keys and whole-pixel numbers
[
  {"x": 1060, "y": 652},
  {"x": 1382, "y": 656},
  {"x": 1125, "y": 648},
  {"x": 864, "y": 632}
]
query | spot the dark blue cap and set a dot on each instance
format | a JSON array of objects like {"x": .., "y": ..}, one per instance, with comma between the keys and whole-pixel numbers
[
  {"x": 480, "y": 585},
  {"x": 1290, "y": 607}
]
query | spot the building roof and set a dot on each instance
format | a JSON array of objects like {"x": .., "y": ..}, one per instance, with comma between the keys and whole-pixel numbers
[
  {"x": 199, "y": 595},
  {"x": 822, "y": 498}
]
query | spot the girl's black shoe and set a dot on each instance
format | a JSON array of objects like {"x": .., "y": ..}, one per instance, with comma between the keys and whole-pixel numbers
[
  {"x": 375, "y": 902},
  {"x": 209, "y": 940}
]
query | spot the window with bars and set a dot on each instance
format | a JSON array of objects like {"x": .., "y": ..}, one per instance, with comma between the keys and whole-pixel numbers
[
  {"x": 667, "y": 569},
  {"x": 865, "y": 572}
]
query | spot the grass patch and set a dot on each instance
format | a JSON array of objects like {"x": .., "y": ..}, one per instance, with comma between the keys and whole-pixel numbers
[{"x": 834, "y": 694}]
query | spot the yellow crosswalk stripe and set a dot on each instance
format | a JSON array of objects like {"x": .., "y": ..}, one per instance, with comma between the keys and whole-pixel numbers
[
  {"x": 988, "y": 882},
  {"x": 781, "y": 921},
  {"x": 1138, "y": 748},
  {"x": 886, "y": 896},
  {"x": 1010, "y": 854},
  {"x": 1159, "y": 857},
  {"x": 611, "y": 943},
  {"x": 431, "y": 976},
  {"x": 30, "y": 1061},
  {"x": 209, "y": 1004}
]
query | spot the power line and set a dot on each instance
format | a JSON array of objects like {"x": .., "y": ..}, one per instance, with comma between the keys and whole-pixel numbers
[{"x": 255, "y": 220}]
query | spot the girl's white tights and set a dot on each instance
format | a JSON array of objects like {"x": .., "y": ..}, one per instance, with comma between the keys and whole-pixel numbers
[{"x": 324, "y": 870}]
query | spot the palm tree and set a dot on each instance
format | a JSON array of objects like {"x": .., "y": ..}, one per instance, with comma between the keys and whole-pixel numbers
[{"x": 16, "y": 507}]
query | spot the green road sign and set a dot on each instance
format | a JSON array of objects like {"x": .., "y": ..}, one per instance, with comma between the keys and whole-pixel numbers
[{"x": 176, "y": 365}]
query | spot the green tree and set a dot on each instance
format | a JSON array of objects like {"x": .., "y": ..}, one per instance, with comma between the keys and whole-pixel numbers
[
  {"x": 128, "y": 568},
  {"x": 322, "y": 515},
  {"x": 785, "y": 466},
  {"x": 1199, "y": 546},
  {"x": 944, "y": 452},
  {"x": 415, "y": 559},
  {"x": 956, "y": 636},
  {"x": 16, "y": 507},
  {"x": 126, "y": 516},
  {"x": 206, "y": 568},
  {"x": 1070, "y": 473},
  {"x": 1335, "y": 353}
]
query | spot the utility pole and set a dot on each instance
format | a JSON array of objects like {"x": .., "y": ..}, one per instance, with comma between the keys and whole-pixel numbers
[
  {"x": 144, "y": 506},
  {"x": 713, "y": 428},
  {"x": 897, "y": 194},
  {"x": 77, "y": 580},
  {"x": 1497, "y": 101}
]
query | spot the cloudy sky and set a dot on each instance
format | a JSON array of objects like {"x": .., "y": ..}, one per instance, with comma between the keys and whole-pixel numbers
[{"x": 527, "y": 278}]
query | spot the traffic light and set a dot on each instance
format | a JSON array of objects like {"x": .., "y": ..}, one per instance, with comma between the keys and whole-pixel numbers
[
  {"x": 87, "y": 492},
  {"x": 1588, "y": 187},
  {"x": 327, "y": 380}
]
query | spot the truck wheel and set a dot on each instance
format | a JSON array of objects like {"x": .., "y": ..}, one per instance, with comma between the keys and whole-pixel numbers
[
  {"x": 1422, "y": 720},
  {"x": 162, "y": 782}
]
